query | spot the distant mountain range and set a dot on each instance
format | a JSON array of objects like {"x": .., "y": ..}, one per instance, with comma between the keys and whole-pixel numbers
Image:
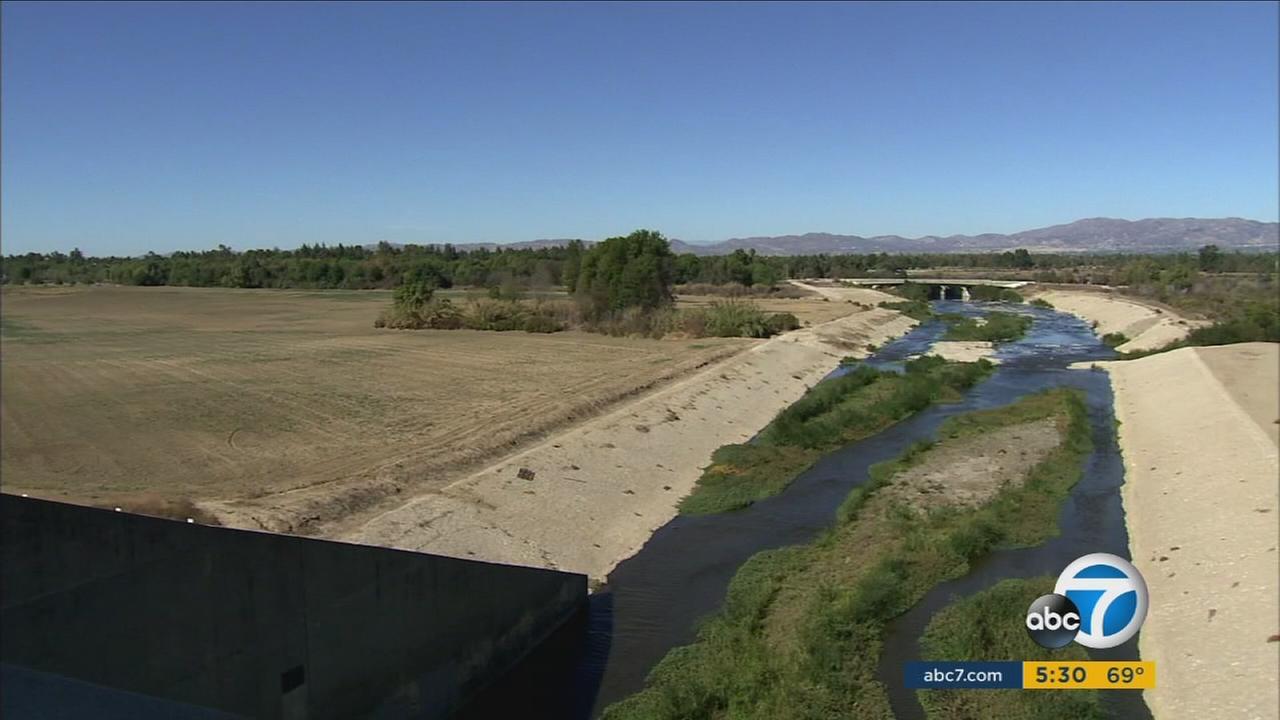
[
  {"x": 1104, "y": 235},
  {"x": 1091, "y": 235}
]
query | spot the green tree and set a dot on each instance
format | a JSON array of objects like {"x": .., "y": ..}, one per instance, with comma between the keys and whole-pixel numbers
[
  {"x": 631, "y": 271},
  {"x": 1210, "y": 258},
  {"x": 412, "y": 297},
  {"x": 1022, "y": 259},
  {"x": 572, "y": 264},
  {"x": 763, "y": 274}
]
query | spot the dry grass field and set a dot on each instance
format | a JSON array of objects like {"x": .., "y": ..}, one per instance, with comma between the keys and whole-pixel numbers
[{"x": 288, "y": 400}]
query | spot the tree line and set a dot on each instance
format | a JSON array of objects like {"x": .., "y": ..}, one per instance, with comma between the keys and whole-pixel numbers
[{"x": 443, "y": 266}]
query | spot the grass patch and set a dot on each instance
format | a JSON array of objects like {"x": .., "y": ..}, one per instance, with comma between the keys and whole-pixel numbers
[
  {"x": 989, "y": 626},
  {"x": 999, "y": 327},
  {"x": 1041, "y": 303},
  {"x": 800, "y": 631},
  {"x": 1114, "y": 340},
  {"x": 915, "y": 309},
  {"x": 833, "y": 413}
]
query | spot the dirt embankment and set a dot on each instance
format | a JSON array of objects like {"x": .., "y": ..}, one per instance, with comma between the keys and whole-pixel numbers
[
  {"x": 1147, "y": 327},
  {"x": 589, "y": 497},
  {"x": 1198, "y": 429}
]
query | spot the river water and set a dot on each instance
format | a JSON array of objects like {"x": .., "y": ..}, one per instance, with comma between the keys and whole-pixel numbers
[{"x": 653, "y": 600}]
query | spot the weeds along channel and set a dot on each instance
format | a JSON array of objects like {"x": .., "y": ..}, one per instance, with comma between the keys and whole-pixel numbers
[
  {"x": 829, "y": 415},
  {"x": 800, "y": 630},
  {"x": 989, "y": 626}
]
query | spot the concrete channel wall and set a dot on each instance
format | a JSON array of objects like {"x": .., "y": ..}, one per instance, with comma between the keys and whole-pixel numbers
[{"x": 257, "y": 624}]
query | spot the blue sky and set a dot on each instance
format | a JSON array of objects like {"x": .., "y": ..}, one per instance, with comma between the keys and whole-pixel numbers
[{"x": 129, "y": 128}]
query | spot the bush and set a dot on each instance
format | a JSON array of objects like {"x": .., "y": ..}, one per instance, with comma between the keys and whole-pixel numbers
[
  {"x": 782, "y": 322},
  {"x": 1255, "y": 322},
  {"x": 915, "y": 309},
  {"x": 733, "y": 318},
  {"x": 542, "y": 324},
  {"x": 635, "y": 322},
  {"x": 436, "y": 314},
  {"x": 501, "y": 315},
  {"x": 1041, "y": 302},
  {"x": 1114, "y": 339},
  {"x": 412, "y": 296},
  {"x": 999, "y": 327}
]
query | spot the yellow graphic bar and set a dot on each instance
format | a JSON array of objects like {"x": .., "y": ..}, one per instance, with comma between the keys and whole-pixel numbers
[{"x": 1088, "y": 675}]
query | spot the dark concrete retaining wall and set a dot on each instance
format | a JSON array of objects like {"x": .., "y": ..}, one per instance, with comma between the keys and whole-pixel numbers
[{"x": 261, "y": 625}]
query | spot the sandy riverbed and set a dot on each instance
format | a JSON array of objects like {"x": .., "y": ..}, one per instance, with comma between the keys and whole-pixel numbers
[
  {"x": 1147, "y": 327},
  {"x": 963, "y": 350},
  {"x": 1199, "y": 436},
  {"x": 589, "y": 497}
]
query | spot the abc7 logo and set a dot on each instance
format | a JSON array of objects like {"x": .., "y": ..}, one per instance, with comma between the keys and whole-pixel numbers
[{"x": 1100, "y": 601}]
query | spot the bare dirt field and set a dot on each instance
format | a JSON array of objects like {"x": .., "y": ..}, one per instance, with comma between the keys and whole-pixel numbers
[
  {"x": 280, "y": 408},
  {"x": 220, "y": 395},
  {"x": 963, "y": 350},
  {"x": 1198, "y": 432}
]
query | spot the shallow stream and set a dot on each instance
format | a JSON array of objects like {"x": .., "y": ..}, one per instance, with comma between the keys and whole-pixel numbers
[{"x": 653, "y": 600}]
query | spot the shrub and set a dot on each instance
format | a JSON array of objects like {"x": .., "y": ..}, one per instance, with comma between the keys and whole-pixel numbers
[
  {"x": 999, "y": 327},
  {"x": 542, "y": 324},
  {"x": 489, "y": 314},
  {"x": 1041, "y": 302},
  {"x": 436, "y": 314},
  {"x": 635, "y": 321},
  {"x": 412, "y": 296},
  {"x": 694, "y": 322},
  {"x": 733, "y": 318},
  {"x": 1255, "y": 322},
  {"x": 782, "y": 322},
  {"x": 915, "y": 309},
  {"x": 1114, "y": 339}
]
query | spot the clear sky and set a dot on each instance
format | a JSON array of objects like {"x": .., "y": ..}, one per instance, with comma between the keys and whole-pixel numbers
[{"x": 129, "y": 128}]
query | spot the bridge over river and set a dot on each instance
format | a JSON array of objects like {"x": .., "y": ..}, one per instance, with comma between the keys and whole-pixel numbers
[{"x": 947, "y": 288}]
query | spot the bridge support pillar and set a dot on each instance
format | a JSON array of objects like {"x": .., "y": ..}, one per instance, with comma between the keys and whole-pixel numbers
[{"x": 964, "y": 294}]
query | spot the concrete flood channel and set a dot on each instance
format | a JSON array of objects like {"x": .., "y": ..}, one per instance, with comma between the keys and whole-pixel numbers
[{"x": 652, "y": 601}]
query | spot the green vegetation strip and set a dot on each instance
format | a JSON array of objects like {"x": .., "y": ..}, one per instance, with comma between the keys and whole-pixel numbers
[
  {"x": 915, "y": 309},
  {"x": 999, "y": 327},
  {"x": 989, "y": 626},
  {"x": 833, "y": 413},
  {"x": 1114, "y": 339},
  {"x": 801, "y": 629},
  {"x": 990, "y": 293},
  {"x": 1252, "y": 322}
]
